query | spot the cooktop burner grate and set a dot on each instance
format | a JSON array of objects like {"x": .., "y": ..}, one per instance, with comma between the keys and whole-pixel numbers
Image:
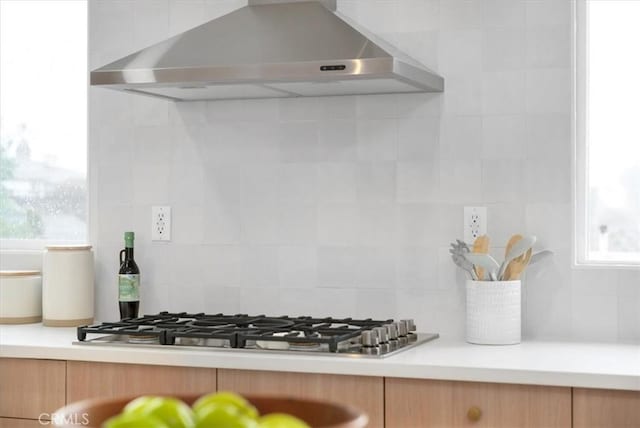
[{"x": 344, "y": 335}]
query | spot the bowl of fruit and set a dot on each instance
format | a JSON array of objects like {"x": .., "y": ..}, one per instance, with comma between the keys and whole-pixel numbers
[{"x": 215, "y": 410}]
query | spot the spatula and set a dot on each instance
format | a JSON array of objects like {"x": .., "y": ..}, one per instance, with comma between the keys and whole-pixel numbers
[
  {"x": 484, "y": 262},
  {"x": 539, "y": 256}
]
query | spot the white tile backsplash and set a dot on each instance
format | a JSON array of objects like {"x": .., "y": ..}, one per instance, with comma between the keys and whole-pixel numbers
[
  {"x": 504, "y": 13},
  {"x": 549, "y": 91},
  {"x": 503, "y": 93},
  {"x": 502, "y": 49},
  {"x": 460, "y": 50},
  {"x": 548, "y": 47},
  {"x": 460, "y": 14},
  {"x": 504, "y": 137},
  {"x": 460, "y": 137},
  {"x": 346, "y": 205}
]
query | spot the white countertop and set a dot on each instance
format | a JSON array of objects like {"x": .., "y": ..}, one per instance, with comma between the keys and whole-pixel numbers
[{"x": 595, "y": 365}]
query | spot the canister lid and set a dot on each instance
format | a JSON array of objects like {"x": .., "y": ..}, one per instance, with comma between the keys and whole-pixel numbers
[
  {"x": 68, "y": 247},
  {"x": 6, "y": 273}
]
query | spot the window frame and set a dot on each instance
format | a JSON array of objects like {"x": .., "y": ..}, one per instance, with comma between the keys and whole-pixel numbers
[
  {"x": 580, "y": 159},
  {"x": 28, "y": 247}
]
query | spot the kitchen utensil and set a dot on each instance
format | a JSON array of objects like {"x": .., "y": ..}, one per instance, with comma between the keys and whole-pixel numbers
[
  {"x": 486, "y": 262},
  {"x": 458, "y": 250},
  {"x": 94, "y": 412},
  {"x": 516, "y": 246},
  {"x": 464, "y": 264},
  {"x": 481, "y": 245},
  {"x": 67, "y": 286},
  {"x": 539, "y": 256},
  {"x": 20, "y": 296},
  {"x": 518, "y": 265}
]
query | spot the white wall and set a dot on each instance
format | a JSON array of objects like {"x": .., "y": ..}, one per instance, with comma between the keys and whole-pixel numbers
[{"x": 345, "y": 206}]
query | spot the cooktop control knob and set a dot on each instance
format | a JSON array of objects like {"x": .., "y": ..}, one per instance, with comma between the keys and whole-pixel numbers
[
  {"x": 402, "y": 328},
  {"x": 383, "y": 336},
  {"x": 402, "y": 333},
  {"x": 370, "y": 338},
  {"x": 392, "y": 331},
  {"x": 411, "y": 325}
]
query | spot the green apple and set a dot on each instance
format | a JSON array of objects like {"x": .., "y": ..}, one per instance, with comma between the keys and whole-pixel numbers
[
  {"x": 130, "y": 420},
  {"x": 173, "y": 412},
  {"x": 229, "y": 398},
  {"x": 223, "y": 415},
  {"x": 281, "y": 420}
]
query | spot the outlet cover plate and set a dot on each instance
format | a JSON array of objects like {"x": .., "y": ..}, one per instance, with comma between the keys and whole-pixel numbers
[
  {"x": 475, "y": 223},
  {"x": 161, "y": 223}
]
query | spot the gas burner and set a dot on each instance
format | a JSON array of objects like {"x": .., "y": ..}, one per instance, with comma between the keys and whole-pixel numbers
[{"x": 366, "y": 337}]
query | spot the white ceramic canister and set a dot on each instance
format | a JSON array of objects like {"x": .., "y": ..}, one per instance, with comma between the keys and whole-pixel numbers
[
  {"x": 20, "y": 296},
  {"x": 493, "y": 312},
  {"x": 67, "y": 286}
]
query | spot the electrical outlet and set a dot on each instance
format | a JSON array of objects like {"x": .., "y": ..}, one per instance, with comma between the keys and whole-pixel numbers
[
  {"x": 161, "y": 223},
  {"x": 475, "y": 223}
]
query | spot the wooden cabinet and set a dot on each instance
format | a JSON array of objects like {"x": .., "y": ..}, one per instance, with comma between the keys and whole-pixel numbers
[
  {"x": 87, "y": 380},
  {"x": 427, "y": 403},
  {"x": 364, "y": 392},
  {"x": 29, "y": 387},
  {"x": 20, "y": 423},
  {"x": 597, "y": 408}
]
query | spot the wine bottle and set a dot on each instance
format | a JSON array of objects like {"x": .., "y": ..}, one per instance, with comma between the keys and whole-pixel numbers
[{"x": 128, "y": 280}]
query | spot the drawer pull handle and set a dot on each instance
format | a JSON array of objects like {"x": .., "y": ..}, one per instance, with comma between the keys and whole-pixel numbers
[{"x": 474, "y": 413}]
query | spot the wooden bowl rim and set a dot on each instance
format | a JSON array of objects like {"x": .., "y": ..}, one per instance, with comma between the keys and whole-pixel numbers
[{"x": 360, "y": 418}]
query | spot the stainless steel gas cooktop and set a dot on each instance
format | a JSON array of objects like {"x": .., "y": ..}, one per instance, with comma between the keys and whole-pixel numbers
[{"x": 307, "y": 335}]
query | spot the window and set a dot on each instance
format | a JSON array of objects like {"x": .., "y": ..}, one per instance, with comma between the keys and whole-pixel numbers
[
  {"x": 43, "y": 122},
  {"x": 608, "y": 132}
]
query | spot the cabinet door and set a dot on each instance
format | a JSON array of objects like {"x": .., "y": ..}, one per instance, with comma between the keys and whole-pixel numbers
[
  {"x": 428, "y": 403},
  {"x": 89, "y": 380},
  {"x": 363, "y": 392},
  {"x": 29, "y": 388},
  {"x": 21, "y": 423},
  {"x": 605, "y": 408}
]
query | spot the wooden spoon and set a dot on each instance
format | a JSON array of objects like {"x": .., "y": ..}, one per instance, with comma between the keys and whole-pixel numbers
[
  {"x": 517, "y": 266},
  {"x": 481, "y": 245},
  {"x": 517, "y": 246}
]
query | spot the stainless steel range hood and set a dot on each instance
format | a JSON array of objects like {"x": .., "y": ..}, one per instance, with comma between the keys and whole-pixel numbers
[{"x": 269, "y": 49}]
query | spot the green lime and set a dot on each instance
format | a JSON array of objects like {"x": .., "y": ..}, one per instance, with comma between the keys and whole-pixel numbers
[
  {"x": 229, "y": 398},
  {"x": 173, "y": 412},
  {"x": 221, "y": 415},
  {"x": 281, "y": 420},
  {"x": 131, "y": 420}
]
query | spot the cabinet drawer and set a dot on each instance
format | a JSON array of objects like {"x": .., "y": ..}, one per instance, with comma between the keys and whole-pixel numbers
[
  {"x": 605, "y": 408},
  {"x": 30, "y": 387},
  {"x": 363, "y": 392},
  {"x": 424, "y": 403},
  {"x": 90, "y": 380}
]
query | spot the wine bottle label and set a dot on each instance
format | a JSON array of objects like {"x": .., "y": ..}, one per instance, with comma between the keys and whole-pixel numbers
[{"x": 129, "y": 287}]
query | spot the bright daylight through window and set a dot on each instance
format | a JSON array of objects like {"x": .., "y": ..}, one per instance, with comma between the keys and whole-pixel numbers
[
  {"x": 609, "y": 144},
  {"x": 43, "y": 121}
]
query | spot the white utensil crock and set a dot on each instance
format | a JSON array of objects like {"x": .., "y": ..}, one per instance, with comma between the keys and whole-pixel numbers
[
  {"x": 493, "y": 312},
  {"x": 20, "y": 296},
  {"x": 67, "y": 286}
]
